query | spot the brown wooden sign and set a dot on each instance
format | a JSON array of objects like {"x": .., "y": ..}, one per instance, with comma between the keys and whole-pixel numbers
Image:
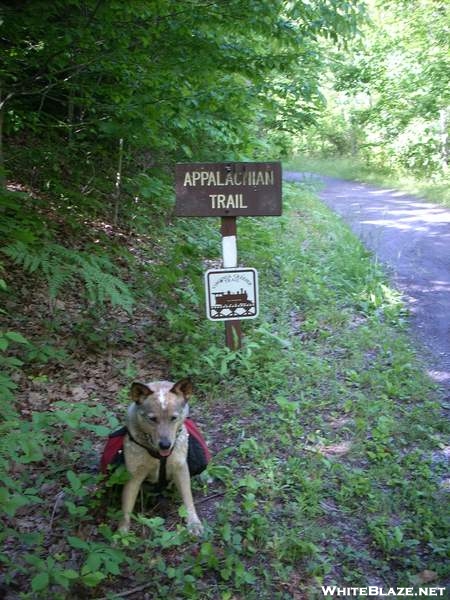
[{"x": 234, "y": 189}]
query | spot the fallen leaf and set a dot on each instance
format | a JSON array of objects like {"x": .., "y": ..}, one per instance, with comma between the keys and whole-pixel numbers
[
  {"x": 427, "y": 576},
  {"x": 79, "y": 393},
  {"x": 37, "y": 400},
  {"x": 335, "y": 449}
]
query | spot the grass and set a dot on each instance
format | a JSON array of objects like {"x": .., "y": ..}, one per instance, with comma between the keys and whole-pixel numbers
[
  {"x": 433, "y": 189},
  {"x": 327, "y": 438}
]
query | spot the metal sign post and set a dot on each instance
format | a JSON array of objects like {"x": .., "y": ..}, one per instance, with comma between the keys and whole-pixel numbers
[{"x": 230, "y": 190}]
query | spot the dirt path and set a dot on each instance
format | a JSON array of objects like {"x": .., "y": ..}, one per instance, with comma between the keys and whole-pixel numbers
[{"x": 411, "y": 238}]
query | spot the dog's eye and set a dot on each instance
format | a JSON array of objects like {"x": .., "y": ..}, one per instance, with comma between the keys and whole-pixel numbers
[
  {"x": 152, "y": 418},
  {"x": 173, "y": 418}
]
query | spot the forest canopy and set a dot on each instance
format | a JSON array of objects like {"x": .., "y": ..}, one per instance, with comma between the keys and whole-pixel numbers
[
  {"x": 388, "y": 93},
  {"x": 175, "y": 81}
]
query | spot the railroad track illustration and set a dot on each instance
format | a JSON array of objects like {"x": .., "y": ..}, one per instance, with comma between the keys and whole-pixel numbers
[{"x": 233, "y": 304}]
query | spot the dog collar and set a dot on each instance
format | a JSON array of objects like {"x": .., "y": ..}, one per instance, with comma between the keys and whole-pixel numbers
[{"x": 151, "y": 451}]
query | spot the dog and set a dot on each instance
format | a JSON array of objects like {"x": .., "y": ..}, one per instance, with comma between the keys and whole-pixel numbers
[{"x": 158, "y": 439}]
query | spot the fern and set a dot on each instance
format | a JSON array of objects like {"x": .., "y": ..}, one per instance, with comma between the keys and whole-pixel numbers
[
  {"x": 62, "y": 267},
  {"x": 102, "y": 285}
]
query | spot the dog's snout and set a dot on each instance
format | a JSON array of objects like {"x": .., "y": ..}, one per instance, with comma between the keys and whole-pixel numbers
[{"x": 164, "y": 444}]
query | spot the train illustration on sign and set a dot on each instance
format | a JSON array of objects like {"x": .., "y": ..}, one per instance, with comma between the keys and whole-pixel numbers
[
  {"x": 232, "y": 299},
  {"x": 231, "y": 294}
]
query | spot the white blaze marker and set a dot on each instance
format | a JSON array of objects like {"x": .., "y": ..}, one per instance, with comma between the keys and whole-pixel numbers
[{"x": 229, "y": 251}]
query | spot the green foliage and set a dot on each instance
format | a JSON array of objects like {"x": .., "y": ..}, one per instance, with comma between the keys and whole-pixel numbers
[
  {"x": 325, "y": 432},
  {"x": 62, "y": 267},
  {"x": 162, "y": 84},
  {"x": 388, "y": 98},
  {"x": 435, "y": 189},
  {"x": 8, "y": 365}
]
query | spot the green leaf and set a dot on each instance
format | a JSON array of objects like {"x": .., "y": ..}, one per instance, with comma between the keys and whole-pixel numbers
[
  {"x": 40, "y": 582},
  {"x": 93, "y": 579},
  {"x": 112, "y": 567},
  {"x": 398, "y": 534},
  {"x": 187, "y": 151},
  {"x": 13, "y": 336},
  {"x": 31, "y": 449},
  {"x": 93, "y": 562},
  {"x": 11, "y": 503},
  {"x": 70, "y": 574},
  {"x": 77, "y": 543},
  {"x": 25, "y": 236},
  {"x": 74, "y": 481},
  {"x": 100, "y": 430}
]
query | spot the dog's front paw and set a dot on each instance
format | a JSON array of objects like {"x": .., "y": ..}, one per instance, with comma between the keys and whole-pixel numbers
[{"x": 195, "y": 528}]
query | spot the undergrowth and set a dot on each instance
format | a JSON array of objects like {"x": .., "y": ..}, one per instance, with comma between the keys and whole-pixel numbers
[{"x": 326, "y": 434}]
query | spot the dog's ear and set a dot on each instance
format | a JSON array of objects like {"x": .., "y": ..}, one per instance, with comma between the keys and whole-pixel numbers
[
  {"x": 139, "y": 391},
  {"x": 183, "y": 387}
]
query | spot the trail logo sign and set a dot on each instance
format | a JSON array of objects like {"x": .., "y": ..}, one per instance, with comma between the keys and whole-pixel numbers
[
  {"x": 231, "y": 294},
  {"x": 234, "y": 189}
]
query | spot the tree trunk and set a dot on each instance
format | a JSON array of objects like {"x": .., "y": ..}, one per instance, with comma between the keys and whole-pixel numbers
[
  {"x": 443, "y": 130},
  {"x": 2, "y": 159},
  {"x": 70, "y": 116},
  {"x": 118, "y": 183}
]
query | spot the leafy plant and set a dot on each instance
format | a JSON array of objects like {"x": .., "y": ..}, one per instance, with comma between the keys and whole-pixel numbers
[
  {"x": 9, "y": 364},
  {"x": 61, "y": 267}
]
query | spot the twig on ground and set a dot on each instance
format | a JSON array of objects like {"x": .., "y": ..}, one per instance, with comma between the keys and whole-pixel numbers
[
  {"x": 139, "y": 588},
  {"x": 58, "y": 501},
  {"x": 218, "y": 495}
]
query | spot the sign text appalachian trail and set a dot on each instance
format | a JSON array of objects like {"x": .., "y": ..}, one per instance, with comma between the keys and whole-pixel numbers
[{"x": 228, "y": 189}]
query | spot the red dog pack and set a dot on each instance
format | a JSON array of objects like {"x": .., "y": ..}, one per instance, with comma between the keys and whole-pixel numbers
[{"x": 198, "y": 453}]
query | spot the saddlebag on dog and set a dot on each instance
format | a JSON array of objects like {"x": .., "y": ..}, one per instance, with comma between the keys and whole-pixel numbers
[{"x": 198, "y": 453}]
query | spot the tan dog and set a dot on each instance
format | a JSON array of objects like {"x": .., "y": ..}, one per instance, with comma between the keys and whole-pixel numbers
[{"x": 156, "y": 433}]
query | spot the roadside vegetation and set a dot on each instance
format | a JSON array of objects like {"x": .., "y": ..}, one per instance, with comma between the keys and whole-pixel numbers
[
  {"x": 326, "y": 434},
  {"x": 387, "y": 118},
  {"x": 356, "y": 169}
]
